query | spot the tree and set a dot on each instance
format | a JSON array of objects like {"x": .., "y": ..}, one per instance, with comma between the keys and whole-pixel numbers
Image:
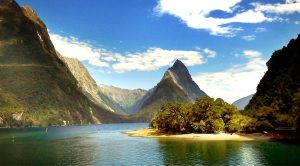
[{"x": 205, "y": 115}]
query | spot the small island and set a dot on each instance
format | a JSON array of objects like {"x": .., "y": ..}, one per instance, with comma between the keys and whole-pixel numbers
[
  {"x": 154, "y": 133},
  {"x": 214, "y": 120}
]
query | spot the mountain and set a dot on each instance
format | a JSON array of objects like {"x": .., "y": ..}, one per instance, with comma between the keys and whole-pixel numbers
[
  {"x": 176, "y": 85},
  {"x": 37, "y": 87},
  {"x": 121, "y": 101},
  {"x": 125, "y": 99},
  {"x": 281, "y": 83},
  {"x": 277, "y": 99},
  {"x": 241, "y": 103},
  {"x": 85, "y": 82}
]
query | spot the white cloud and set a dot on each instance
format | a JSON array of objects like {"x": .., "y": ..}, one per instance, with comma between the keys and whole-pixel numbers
[
  {"x": 149, "y": 60},
  {"x": 297, "y": 22},
  {"x": 290, "y": 6},
  {"x": 155, "y": 58},
  {"x": 260, "y": 29},
  {"x": 195, "y": 14},
  {"x": 235, "y": 82},
  {"x": 252, "y": 54},
  {"x": 73, "y": 48},
  {"x": 249, "y": 37},
  {"x": 209, "y": 53}
]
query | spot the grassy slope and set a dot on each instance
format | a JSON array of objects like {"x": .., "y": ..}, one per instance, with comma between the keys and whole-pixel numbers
[{"x": 34, "y": 81}]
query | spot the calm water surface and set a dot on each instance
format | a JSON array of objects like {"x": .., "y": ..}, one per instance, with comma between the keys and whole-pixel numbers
[{"x": 106, "y": 145}]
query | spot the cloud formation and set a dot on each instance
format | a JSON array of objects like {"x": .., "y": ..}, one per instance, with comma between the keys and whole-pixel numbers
[
  {"x": 149, "y": 60},
  {"x": 235, "y": 82},
  {"x": 249, "y": 37},
  {"x": 73, "y": 48},
  {"x": 290, "y": 6},
  {"x": 252, "y": 54},
  {"x": 155, "y": 58},
  {"x": 260, "y": 29},
  {"x": 210, "y": 53},
  {"x": 197, "y": 13}
]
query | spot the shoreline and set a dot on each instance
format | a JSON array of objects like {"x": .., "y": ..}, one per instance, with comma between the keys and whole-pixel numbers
[{"x": 153, "y": 133}]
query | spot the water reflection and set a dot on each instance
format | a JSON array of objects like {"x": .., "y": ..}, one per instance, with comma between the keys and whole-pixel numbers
[
  {"x": 85, "y": 145},
  {"x": 197, "y": 153},
  {"x": 247, "y": 154},
  {"x": 60, "y": 152}
]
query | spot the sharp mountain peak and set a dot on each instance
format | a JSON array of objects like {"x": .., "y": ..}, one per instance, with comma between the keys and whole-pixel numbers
[{"x": 178, "y": 66}]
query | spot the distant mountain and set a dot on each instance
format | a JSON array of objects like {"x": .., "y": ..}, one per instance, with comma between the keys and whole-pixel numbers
[
  {"x": 241, "y": 103},
  {"x": 280, "y": 86},
  {"x": 85, "y": 82},
  {"x": 123, "y": 99},
  {"x": 176, "y": 85},
  {"x": 36, "y": 86}
]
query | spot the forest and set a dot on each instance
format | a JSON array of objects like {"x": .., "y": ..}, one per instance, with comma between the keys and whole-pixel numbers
[{"x": 208, "y": 115}]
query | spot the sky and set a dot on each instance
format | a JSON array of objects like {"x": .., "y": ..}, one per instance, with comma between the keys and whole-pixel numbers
[{"x": 131, "y": 43}]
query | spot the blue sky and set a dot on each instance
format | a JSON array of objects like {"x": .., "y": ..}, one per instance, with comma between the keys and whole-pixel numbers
[{"x": 129, "y": 44}]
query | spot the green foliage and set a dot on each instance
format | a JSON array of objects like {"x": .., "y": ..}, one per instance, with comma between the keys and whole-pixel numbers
[
  {"x": 270, "y": 118},
  {"x": 277, "y": 100},
  {"x": 241, "y": 122},
  {"x": 206, "y": 115}
]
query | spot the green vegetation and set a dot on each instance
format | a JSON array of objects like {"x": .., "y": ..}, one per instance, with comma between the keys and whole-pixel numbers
[
  {"x": 276, "y": 103},
  {"x": 36, "y": 87},
  {"x": 206, "y": 115}
]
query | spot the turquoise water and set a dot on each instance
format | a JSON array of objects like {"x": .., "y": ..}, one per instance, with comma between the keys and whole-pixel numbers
[{"x": 106, "y": 145}]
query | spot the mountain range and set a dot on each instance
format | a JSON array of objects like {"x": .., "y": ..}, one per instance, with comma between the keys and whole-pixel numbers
[
  {"x": 41, "y": 87},
  {"x": 176, "y": 85},
  {"x": 37, "y": 87}
]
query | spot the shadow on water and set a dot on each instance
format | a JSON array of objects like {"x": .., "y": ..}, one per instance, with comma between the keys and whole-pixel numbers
[{"x": 187, "y": 152}]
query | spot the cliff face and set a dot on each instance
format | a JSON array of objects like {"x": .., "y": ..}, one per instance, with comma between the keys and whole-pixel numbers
[
  {"x": 36, "y": 86},
  {"x": 280, "y": 86},
  {"x": 175, "y": 86}
]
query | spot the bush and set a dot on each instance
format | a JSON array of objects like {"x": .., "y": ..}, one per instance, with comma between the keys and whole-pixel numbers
[
  {"x": 199, "y": 127},
  {"x": 218, "y": 125}
]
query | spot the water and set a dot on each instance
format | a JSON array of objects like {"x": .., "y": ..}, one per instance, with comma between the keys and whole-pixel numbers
[{"x": 106, "y": 145}]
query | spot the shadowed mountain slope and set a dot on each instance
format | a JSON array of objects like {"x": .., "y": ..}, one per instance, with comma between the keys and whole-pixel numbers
[{"x": 36, "y": 86}]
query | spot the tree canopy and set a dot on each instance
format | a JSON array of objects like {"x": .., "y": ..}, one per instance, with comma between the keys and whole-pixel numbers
[{"x": 206, "y": 115}]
